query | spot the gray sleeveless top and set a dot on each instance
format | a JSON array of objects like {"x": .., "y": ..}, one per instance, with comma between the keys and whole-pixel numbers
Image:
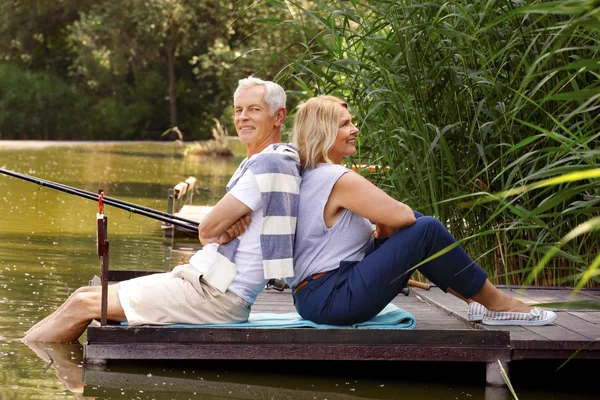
[{"x": 318, "y": 248}]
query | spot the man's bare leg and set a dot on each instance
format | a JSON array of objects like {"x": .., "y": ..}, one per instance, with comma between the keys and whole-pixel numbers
[
  {"x": 72, "y": 318},
  {"x": 64, "y": 304}
]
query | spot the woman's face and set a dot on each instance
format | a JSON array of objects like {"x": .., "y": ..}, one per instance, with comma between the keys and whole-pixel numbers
[{"x": 346, "y": 137}]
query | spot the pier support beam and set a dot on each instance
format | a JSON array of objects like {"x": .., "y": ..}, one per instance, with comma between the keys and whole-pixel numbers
[
  {"x": 96, "y": 363},
  {"x": 497, "y": 393},
  {"x": 493, "y": 374}
]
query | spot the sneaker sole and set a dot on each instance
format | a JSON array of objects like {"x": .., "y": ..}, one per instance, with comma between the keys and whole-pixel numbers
[
  {"x": 518, "y": 322},
  {"x": 475, "y": 318}
]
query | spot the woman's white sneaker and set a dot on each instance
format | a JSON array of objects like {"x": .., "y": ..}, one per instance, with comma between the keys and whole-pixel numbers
[
  {"x": 535, "y": 317},
  {"x": 476, "y": 311}
]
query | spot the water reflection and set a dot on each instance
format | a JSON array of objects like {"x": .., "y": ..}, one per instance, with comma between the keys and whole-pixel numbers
[
  {"x": 277, "y": 380},
  {"x": 251, "y": 380},
  {"x": 66, "y": 359}
]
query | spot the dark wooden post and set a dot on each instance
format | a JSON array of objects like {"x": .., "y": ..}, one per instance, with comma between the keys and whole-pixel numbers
[
  {"x": 102, "y": 234},
  {"x": 104, "y": 276}
]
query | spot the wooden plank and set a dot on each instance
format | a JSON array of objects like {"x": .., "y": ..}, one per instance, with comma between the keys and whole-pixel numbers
[
  {"x": 195, "y": 213},
  {"x": 557, "y": 345},
  {"x": 444, "y": 301},
  {"x": 590, "y": 316},
  {"x": 519, "y": 333},
  {"x": 556, "y": 332},
  {"x": 516, "y": 287},
  {"x": 191, "y": 182},
  {"x": 190, "y": 334},
  {"x": 554, "y": 354},
  {"x": 554, "y": 296},
  {"x": 582, "y": 327},
  {"x": 531, "y": 296},
  {"x": 428, "y": 316},
  {"x": 217, "y": 351},
  {"x": 569, "y": 295},
  {"x": 547, "y": 295},
  {"x": 180, "y": 189}
]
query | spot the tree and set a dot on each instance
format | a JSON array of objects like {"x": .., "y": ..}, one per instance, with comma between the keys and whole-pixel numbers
[
  {"x": 33, "y": 35},
  {"x": 117, "y": 41}
]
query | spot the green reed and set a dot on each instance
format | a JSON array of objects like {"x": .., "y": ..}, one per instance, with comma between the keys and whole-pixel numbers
[{"x": 465, "y": 100}]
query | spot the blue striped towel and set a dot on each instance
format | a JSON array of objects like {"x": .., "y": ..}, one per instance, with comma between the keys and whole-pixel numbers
[
  {"x": 277, "y": 173},
  {"x": 391, "y": 317}
]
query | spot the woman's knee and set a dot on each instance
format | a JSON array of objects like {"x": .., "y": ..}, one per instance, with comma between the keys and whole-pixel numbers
[{"x": 427, "y": 222}]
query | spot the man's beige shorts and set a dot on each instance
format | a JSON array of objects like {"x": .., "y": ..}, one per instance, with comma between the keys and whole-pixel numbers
[{"x": 179, "y": 296}]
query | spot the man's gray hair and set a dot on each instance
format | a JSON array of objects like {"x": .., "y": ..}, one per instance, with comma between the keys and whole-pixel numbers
[{"x": 274, "y": 94}]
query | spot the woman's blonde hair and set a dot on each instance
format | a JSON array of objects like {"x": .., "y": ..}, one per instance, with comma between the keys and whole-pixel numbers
[{"x": 315, "y": 128}]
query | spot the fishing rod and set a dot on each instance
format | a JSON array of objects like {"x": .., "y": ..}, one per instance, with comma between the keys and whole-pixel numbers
[
  {"x": 184, "y": 223},
  {"x": 44, "y": 182}
]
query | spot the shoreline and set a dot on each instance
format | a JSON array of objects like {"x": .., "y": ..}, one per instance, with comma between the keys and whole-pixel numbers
[{"x": 42, "y": 144}]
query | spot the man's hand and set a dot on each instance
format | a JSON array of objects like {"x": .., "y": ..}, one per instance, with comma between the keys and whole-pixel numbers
[{"x": 235, "y": 230}]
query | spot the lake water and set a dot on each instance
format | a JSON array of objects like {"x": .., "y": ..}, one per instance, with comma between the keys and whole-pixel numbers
[{"x": 48, "y": 248}]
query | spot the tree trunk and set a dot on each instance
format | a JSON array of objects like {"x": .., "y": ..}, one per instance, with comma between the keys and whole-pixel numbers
[{"x": 172, "y": 96}]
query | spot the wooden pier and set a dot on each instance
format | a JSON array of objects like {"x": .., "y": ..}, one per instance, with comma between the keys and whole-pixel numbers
[
  {"x": 179, "y": 203},
  {"x": 442, "y": 334}
]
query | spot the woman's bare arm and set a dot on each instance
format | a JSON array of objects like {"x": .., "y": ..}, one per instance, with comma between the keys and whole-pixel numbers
[{"x": 360, "y": 196}]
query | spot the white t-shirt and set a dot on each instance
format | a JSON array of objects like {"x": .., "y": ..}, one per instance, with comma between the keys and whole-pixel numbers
[{"x": 249, "y": 280}]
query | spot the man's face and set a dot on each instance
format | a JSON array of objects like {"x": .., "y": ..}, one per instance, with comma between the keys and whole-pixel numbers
[{"x": 253, "y": 120}]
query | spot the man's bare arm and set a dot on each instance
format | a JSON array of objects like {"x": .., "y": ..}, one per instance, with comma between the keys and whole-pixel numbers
[
  {"x": 221, "y": 218},
  {"x": 234, "y": 230}
]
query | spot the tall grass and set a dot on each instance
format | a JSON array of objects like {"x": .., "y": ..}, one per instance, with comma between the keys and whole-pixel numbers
[{"x": 462, "y": 100}]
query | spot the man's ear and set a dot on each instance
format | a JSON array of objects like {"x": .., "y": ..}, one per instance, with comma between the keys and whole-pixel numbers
[{"x": 280, "y": 116}]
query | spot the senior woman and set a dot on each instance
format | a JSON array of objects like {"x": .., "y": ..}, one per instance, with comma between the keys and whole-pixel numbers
[{"x": 342, "y": 276}]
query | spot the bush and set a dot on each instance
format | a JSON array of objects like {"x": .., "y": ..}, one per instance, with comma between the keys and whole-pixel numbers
[
  {"x": 461, "y": 100},
  {"x": 39, "y": 106}
]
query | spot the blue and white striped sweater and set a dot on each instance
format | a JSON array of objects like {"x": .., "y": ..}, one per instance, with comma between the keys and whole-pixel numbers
[{"x": 277, "y": 173}]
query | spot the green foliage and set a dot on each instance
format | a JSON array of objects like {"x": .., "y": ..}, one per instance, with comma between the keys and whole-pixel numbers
[
  {"x": 218, "y": 146},
  {"x": 142, "y": 66},
  {"x": 32, "y": 105},
  {"x": 33, "y": 34},
  {"x": 463, "y": 99},
  {"x": 41, "y": 106}
]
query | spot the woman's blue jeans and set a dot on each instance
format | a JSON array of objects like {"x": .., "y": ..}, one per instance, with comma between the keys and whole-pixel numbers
[{"x": 357, "y": 291}]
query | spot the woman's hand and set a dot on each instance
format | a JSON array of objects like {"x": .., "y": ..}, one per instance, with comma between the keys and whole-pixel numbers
[{"x": 383, "y": 231}]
